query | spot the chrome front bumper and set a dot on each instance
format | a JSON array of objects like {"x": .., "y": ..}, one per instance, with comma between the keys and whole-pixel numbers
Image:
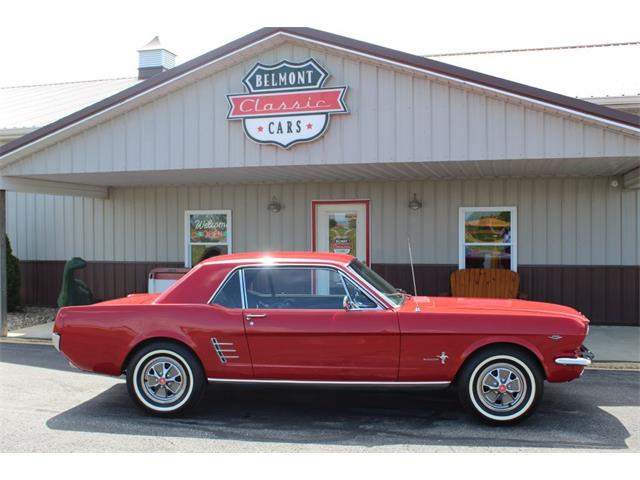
[
  {"x": 583, "y": 361},
  {"x": 55, "y": 339}
]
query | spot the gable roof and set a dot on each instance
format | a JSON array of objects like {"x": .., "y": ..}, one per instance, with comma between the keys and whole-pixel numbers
[
  {"x": 32, "y": 106},
  {"x": 582, "y": 71},
  {"x": 336, "y": 41}
]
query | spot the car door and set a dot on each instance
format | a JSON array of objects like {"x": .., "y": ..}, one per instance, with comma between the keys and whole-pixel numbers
[{"x": 298, "y": 329}]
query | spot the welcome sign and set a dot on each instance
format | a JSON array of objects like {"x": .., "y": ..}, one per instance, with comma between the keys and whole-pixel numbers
[{"x": 286, "y": 103}]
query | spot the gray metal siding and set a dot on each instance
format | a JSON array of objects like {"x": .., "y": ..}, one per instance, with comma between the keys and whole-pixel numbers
[
  {"x": 569, "y": 221},
  {"x": 395, "y": 117}
]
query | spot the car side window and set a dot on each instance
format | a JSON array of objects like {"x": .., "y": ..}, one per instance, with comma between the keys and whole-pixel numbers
[
  {"x": 358, "y": 297},
  {"x": 230, "y": 295},
  {"x": 294, "y": 288}
]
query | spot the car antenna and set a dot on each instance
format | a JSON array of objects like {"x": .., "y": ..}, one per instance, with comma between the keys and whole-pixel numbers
[{"x": 413, "y": 273}]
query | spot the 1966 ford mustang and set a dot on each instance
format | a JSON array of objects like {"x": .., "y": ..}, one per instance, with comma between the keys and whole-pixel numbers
[{"x": 322, "y": 318}]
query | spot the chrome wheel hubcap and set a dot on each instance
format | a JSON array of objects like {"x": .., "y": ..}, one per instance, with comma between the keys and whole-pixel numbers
[
  {"x": 163, "y": 379},
  {"x": 501, "y": 387}
]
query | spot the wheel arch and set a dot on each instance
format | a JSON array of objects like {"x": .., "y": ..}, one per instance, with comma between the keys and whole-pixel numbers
[
  {"x": 525, "y": 347},
  {"x": 148, "y": 341}
]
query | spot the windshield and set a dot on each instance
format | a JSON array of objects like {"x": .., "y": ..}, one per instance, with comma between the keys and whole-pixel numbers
[{"x": 376, "y": 281}]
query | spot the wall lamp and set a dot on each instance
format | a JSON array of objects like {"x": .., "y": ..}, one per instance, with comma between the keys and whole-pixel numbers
[
  {"x": 274, "y": 205},
  {"x": 415, "y": 204}
]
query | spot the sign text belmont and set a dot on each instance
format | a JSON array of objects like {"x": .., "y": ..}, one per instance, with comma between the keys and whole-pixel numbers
[{"x": 286, "y": 103}]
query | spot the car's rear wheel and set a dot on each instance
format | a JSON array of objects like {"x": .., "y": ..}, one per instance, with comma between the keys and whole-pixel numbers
[
  {"x": 165, "y": 378},
  {"x": 501, "y": 385}
]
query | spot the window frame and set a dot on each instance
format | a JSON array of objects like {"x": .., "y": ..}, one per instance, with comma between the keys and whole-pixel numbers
[
  {"x": 188, "y": 262},
  {"x": 343, "y": 277},
  {"x": 513, "y": 244}
]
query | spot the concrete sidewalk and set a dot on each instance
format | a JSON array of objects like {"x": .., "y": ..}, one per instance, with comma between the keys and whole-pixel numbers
[
  {"x": 614, "y": 344},
  {"x": 37, "y": 332},
  {"x": 610, "y": 344}
]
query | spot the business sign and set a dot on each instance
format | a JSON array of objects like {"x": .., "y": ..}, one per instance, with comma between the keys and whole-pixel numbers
[{"x": 286, "y": 103}]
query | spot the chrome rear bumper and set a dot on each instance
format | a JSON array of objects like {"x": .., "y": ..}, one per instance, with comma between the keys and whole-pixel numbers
[
  {"x": 55, "y": 339},
  {"x": 582, "y": 361}
]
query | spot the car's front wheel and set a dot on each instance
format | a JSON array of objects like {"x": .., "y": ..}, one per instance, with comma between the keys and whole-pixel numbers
[
  {"x": 501, "y": 385},
  {"x": 165, "y": 378}
]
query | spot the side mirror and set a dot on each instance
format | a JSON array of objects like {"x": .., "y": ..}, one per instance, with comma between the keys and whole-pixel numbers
[{"x": 346, "y": 303}]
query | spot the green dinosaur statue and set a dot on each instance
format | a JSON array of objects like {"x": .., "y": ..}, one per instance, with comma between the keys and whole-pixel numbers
[{"x": 74, "y": 291}]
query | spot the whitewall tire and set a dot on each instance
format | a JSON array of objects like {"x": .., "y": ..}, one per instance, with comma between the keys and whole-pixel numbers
[
  {"x": 165, "y": 378},
  {"x": 501, "y": 385}
]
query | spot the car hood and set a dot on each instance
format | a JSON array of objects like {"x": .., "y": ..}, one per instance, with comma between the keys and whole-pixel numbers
[{"x": 495, "y": 305}]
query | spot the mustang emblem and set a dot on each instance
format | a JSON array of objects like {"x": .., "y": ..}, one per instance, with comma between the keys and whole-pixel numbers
[{"x": 442, "y": 357}]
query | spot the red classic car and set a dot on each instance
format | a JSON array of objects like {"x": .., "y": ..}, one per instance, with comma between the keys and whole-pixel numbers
[{"x": 322, "y": 318}]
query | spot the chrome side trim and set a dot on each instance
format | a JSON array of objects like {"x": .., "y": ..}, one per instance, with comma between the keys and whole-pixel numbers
[
  {"x": 581, "y": 362},
  {"x": 326, "y": 382},
  {"x": 222, "y": 352},
  {"x": 55, "y": 339}
]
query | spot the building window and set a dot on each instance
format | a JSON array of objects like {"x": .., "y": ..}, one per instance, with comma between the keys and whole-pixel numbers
[
  {"x": 487, "y": 237},
  {"x": 206, "y": 228}
]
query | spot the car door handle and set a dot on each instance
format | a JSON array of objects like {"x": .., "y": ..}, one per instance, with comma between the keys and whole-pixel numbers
[{"x": 249, "y": 316}]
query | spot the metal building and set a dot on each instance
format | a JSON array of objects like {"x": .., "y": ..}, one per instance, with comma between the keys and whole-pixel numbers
[{"x": 297, "y": 139}]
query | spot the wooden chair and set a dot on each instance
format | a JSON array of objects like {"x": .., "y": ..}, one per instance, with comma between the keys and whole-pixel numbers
[{"x": 486, "y": 283}]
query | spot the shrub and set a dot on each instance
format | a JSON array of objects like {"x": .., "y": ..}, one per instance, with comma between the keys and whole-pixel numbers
[{"x": 13, "y": 279}]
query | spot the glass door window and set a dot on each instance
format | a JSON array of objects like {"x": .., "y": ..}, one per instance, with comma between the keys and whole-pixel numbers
[{"x": 341, "y": 227}]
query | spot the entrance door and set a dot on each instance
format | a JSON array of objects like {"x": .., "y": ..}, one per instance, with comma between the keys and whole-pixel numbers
[
  {"x": 341, "y": 227},
  {"x": 298, "y": 329}
]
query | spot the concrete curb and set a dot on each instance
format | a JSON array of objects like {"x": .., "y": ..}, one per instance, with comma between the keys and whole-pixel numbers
[
  {"x": 33, "y": 341},
  {"x": 627, "y": 366}
]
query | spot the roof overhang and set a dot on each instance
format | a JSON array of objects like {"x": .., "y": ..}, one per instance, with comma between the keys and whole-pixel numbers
[
  {"x": 242, "y": 47},
  {"x": 75, "y": 183},
  {"x": 53, "y": 187}
]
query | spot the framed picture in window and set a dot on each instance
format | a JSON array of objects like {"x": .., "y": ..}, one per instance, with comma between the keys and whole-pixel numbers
[
  {"x": 488, "y": 237},
  {"x": 206, "y": 228}
]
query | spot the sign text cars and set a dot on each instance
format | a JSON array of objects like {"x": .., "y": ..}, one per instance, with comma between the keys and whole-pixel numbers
[{"x": 286, "y": 103}]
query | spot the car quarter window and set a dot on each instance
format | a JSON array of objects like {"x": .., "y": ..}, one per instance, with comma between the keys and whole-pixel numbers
[
  {"x": 294, "y": 287},
  {"x": 229, "y": 295}
]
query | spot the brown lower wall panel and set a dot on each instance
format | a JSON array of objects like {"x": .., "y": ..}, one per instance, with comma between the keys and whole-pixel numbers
[
  {"x": 41, "y": 280},
  {"x": 608, "y": 295}
]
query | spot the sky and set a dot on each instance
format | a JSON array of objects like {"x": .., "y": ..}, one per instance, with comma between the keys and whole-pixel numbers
[{"x": 64, "y": 40}]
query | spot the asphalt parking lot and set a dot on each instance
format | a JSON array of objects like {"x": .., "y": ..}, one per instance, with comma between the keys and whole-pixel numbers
[{"x": 49, "y": 407}]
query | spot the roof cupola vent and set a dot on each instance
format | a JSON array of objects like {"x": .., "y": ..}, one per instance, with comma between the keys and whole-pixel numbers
[{"x": 153, "y": 58}]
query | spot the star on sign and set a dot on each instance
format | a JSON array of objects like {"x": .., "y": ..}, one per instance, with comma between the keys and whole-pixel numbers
[
  {"x": 260, "y": 128},
  {"x": 309, "y": 126}
]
